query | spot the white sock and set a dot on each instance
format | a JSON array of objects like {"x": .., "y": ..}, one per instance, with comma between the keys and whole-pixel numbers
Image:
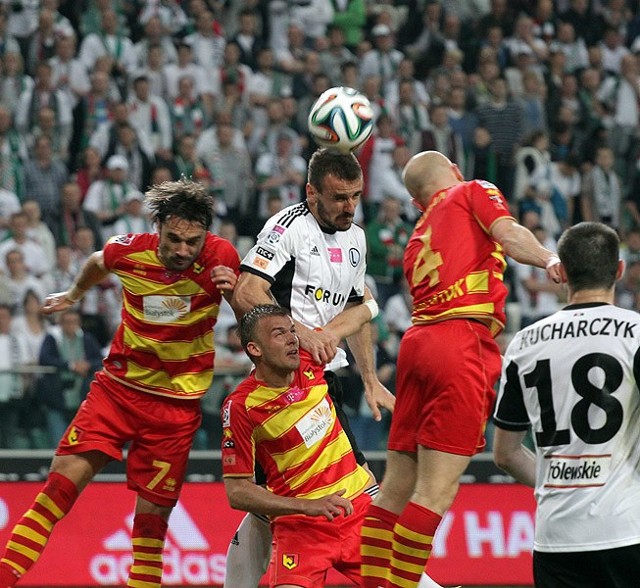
[
  {"x": 248, "y": 554},
  {"x": 427, "y": 582}
]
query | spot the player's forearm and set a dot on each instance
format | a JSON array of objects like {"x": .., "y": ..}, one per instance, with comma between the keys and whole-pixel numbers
[
  {"x": 361, "y": 346},
  {"x": 91, "y": 273},
  {"x": 513, "y": 457},
  {"x": 349, "y": 321},
  {"x": 248, "y": 293},
  {"x": 247, "y": 496}
]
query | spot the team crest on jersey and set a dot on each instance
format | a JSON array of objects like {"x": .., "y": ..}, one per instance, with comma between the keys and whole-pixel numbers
[
  {"x": 309, "y": 374},
  {"x": 290, "y": 560},
  {"x": 73, "y": 437},
  {"x": 354, "y": 257},
  {"x": 122, "y": 239},
  {"x": 226, "y": 415}
]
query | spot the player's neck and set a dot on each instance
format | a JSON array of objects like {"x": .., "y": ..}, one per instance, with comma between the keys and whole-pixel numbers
[
  {"x": 590, "y": 296},
  {"x": 274, "y": 377}
]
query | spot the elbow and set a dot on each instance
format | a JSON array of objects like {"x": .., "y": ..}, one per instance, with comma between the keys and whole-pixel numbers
[
  {"x": 235, "y": 499},
  {"x": 502, "y": 460}
]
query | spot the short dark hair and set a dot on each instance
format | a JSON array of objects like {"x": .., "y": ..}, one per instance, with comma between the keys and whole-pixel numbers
[
  {"x": 328, "y": 162},
  {"x": 251, "y": 319},
  {"x": 590, "y": 252},
  {"x": 184, "y": 199}
]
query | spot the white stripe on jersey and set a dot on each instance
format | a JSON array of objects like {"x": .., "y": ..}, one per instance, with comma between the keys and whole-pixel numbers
[
  {"x": 574, "y": 376},
  {"x": 313, "y": 274}
]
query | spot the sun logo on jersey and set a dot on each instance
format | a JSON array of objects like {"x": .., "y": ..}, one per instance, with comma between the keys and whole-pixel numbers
[
  {"x": 176, "y": 304},
  {"x": 322, "y": 413}
]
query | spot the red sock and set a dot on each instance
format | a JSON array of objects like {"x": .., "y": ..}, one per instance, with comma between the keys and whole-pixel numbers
[
  {"x": 375, "y": 546},
  {"x": 147, "y": 538},
  {"x": 412, "y": 538},
  {"x": 29, "y": 537}
]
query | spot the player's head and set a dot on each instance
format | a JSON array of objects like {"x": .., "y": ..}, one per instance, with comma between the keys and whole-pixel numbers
[
  {"x": 590, "y": 256},
  {"x": 268, "y": 336},
  {"x": 429, "y": 172},
  {"x": 183, "y": 212},
  {"x": 334, "y": 188}
]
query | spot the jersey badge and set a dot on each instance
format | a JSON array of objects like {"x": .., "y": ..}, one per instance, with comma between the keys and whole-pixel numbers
[
  {"x": 314, "y": 251},
  {"x": 262, "y": 252},
  {"x": 354, "y": 257},
  {"x": 335, "y": 254},
  {"x": 309, "y": 374},
  {"x": 290, "y": 560},
  {"x": 122, "y": 239},
  {"x": 273, "y": 237},
  {"x": 260, "y": 262},
  {"x": 226, "y": 415}
]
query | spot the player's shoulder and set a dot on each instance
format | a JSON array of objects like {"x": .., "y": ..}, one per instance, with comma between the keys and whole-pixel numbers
[
  {"x": 218, "y": 249},
  {"x": 292, "y": 217}
]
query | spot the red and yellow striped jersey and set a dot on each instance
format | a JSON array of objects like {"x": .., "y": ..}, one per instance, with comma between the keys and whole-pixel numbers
[
  {"x": 453, "y": 266},
  {"x": 294, "y": 434},
  {"x": 164, "y": 344}
]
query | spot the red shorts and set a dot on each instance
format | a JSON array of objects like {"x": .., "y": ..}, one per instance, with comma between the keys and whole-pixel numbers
[
  {"x": 305, "y": 548},
  {"x": 160, "y": 429},
  {"x": 445, "y": 387}
]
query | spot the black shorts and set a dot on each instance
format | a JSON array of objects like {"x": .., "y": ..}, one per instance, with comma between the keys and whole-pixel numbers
[{"x": 607, "y": 568}]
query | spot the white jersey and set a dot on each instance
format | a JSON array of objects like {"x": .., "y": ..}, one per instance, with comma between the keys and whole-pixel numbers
[
  {"x": 574, "y": 377},
  {"x": 312, "y": 273}
]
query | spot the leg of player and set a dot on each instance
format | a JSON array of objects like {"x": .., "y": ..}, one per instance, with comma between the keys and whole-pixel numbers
[
  {"x": 249, "y": 553},
  {"x": 69, "y": 475},
  {"x": 150, "y": 525}
]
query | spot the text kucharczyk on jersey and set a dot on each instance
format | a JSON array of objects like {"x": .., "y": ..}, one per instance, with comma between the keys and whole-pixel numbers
[{"x": 604, "y": 326}]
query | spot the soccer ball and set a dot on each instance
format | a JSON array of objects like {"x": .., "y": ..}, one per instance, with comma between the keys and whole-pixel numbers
[{"x": 341, "y": 118}]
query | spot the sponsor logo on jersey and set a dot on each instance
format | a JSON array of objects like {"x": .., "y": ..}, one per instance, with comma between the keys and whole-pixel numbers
[
  {"x": 187, "y": 557},
  {"x": 577, "y": 471},
  {"x": 314, "y": 251},
  {"x": 165, "y": 309},
  {"x": 290, "y": 560},
  {"x": 261, "y": 263},
  {"x": 229, "y": 444},
  {"x": 229, "y": 460},
  {"x": 354, "y": 257},
  {"x": 265, "y": 253},
  {"x": 335, "y": 254},
  {"x": 279, "y": 229},
  {"x": 321, "y": 295},
  {"x": 315, "y": 424},
  {"x": 293, "y": 395}
]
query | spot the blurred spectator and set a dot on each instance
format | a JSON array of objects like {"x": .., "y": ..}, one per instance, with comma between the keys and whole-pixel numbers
[
  {"x": 503, "y": 119},
  {"x": 291, "y": 56},
  {"x": 33, "y": 254},
  {"x": 9, "y": 204},
  {"x": 19, "y": 281},
  {"x": 602, "y": 191},
  {"x": 155, "y": 33},
  {"x": 188, "y": 113},
  {"x": 135, "y": 218},
  {"x": 566, "y": 182},
  {"x": 89, "y": 170},
  {"x": 67, "y": 71},
  {"x": 350, "y": 16},
  {"x": 106, "y": 198},
  {"x": 65, "y": 269},
  {"x": 13, "y": 356},
  {"x": 72, "y": 216},
  {"x": 44, "y": 177},
  {"x": 383, "y": 60},
  {"x": 14, "y": 80},
  {"x": 303, "y": 80},
  {"x": 587, "y": 22},
  {"x": 208, "y": 42},
  {"x": 76, "y": 355},
  {"x": 128, "y": 142},
  {"x": 574, "y": 48},
  {"x": 247, "y": 39},
  {"x": 41, "y": 45},
  {"x": 45, "y": 125},
  {"x": 204, "y": 84},
  {"x": 397, "y": 311},
  {"x": 280, "y": 172},
  {"x": 613, "y": 51},
  {"x": 170, "y": 14},
  {"x": 8, "y": 44},
  {"x": 411, "y": 115},
  {"x": 387, "y": 238},
  {"x": 440, "y": 136},
  {"x": 335, "y": 54},
  {"x": 44, "y": 94},
  {"x": 406, "y": 73},
  {"x": 150, "y": 114},
  {"x": 425, "y": 39},
  {"x": 110, "y": 41},
  {"x": 39, "y": 231},
  {"x": 628, "y": 287}
]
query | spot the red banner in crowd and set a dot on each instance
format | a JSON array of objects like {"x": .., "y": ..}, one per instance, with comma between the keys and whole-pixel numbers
[{"x": 485, "y": 539}]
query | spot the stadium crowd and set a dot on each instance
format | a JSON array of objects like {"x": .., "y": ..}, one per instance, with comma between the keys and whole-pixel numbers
[{"x": 100, "y": 99}]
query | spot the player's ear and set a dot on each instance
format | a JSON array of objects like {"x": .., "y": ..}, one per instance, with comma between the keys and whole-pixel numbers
[
  {"x": 620, "y": 269},
  {"x": 311, "y": 193},
  {"x": 253, "y": 349}
]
